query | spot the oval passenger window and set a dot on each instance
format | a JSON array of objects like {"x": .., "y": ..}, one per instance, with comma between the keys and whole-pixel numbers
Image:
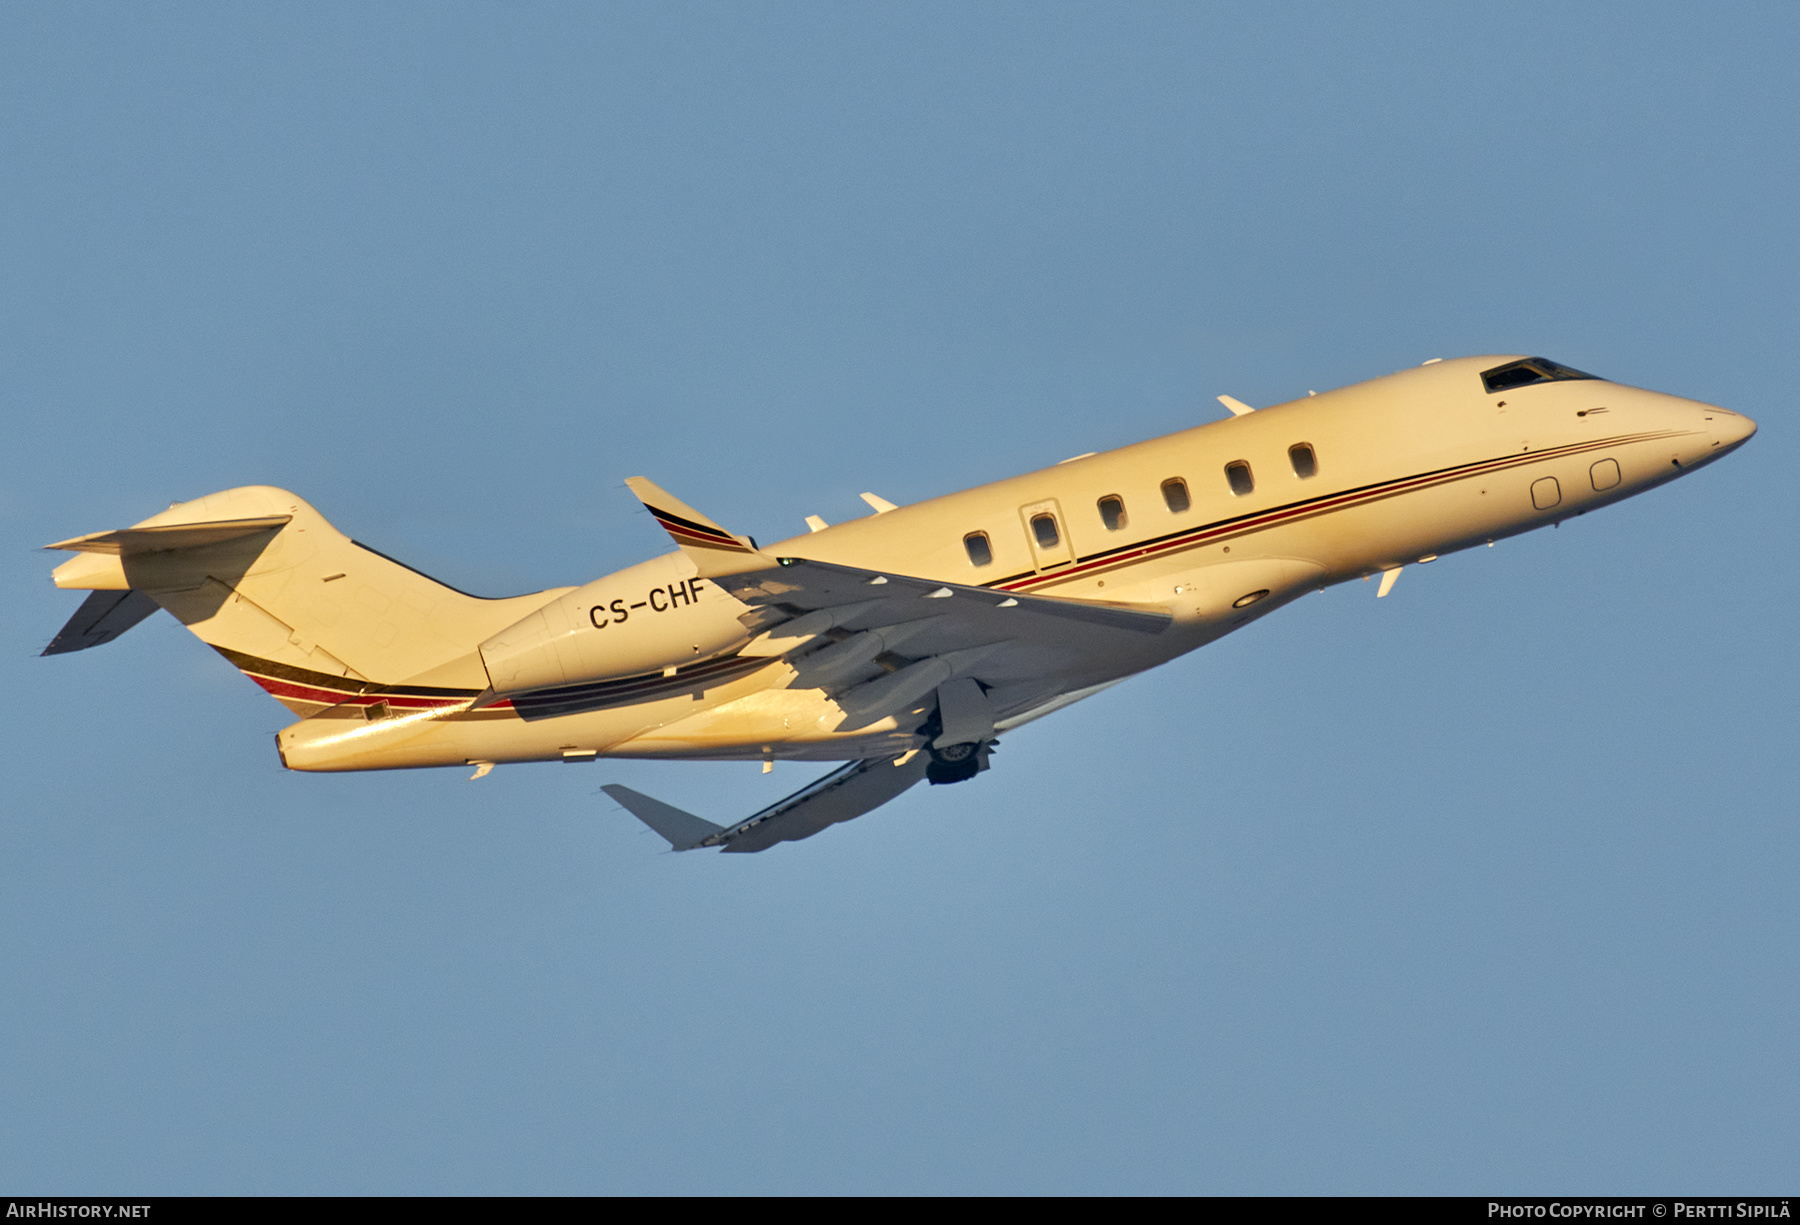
[
  {"x": 980, "y": 551},
  {"x": 1112, "y": 512},
  {"x": 1175, "y": 494},
  {"x": 1044, "y": 528},
  {"x": 1237, "y": 473},
  {"x": 1305, "y": 462}
]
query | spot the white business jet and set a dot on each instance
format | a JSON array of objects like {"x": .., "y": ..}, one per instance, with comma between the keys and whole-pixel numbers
[{"x": 902, "y": 643}]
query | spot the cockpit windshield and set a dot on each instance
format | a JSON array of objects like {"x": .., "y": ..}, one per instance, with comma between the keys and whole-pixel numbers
[{"x": 1530, "y": 370}]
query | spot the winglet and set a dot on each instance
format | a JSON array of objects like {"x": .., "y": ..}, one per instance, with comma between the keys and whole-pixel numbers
[
  {"x": 684, "y": 830},
  {"x": 713, "y": 549}
]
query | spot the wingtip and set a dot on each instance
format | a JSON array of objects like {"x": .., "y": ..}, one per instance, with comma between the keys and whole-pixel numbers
[{"x": 683, "y": 830}]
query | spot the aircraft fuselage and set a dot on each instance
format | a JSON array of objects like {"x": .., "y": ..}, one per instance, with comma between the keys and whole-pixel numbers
[
  {"x": 964, "y": 615},
  {"x": 1217, "y": 525}
]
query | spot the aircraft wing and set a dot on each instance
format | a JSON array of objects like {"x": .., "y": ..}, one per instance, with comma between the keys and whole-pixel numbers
[
  {"x": 759, "y": 578},
  {"x": 849, "y": 791},
  {"x": 837, "y": 624},
  {"x": 799, "y": 583}
]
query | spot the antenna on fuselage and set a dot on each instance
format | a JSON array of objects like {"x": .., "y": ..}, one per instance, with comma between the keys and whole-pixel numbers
[{"x": 1238, "y": 407}]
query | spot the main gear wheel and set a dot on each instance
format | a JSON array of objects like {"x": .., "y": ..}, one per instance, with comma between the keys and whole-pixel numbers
[{"x": 955, "y": 763}]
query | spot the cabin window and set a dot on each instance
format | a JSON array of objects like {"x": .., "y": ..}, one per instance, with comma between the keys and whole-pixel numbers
[
  {"x": 1530, "y": 370},
  {"x": 1305, "y": 462},
  {"x": 1237, "y": 475},
  {"x": 1044, "y": 528},
  {"x": 981, "y": 553},
  {"x": 1175, "y": 494},
  {"x": 1112, "y": 512}
]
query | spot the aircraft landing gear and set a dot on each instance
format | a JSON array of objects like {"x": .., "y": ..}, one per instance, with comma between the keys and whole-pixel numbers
[{"x": 955, "y": 763}]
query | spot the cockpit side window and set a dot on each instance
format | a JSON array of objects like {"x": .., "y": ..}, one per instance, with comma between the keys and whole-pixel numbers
[{"x": 1530, "y": 370}]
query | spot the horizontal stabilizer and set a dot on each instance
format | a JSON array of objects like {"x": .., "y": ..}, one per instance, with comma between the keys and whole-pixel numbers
[
  {"x": 103, "y": 616},
  {"x": 684, "y": 830},
  {"x": 169, "y": 536}
]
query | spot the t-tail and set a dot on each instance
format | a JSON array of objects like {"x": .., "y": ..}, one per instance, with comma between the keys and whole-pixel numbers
[{"x": 315, "y": 618}]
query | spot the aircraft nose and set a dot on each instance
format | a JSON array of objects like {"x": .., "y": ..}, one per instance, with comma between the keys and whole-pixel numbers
[{"x": 1730, "y": 429}]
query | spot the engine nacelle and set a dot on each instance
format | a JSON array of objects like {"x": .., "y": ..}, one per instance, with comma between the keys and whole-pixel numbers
[{"x": 648, "y": 617}]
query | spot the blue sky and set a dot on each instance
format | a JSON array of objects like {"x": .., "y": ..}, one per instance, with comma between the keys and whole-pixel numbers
[{"x": 1488, "y": 887}]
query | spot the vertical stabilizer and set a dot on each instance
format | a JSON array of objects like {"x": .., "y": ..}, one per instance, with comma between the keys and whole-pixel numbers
[{"x": 308, "y": 613}]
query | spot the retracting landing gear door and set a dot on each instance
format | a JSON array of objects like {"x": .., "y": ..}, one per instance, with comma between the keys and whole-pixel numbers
[{"x": 1048, "y": 533}]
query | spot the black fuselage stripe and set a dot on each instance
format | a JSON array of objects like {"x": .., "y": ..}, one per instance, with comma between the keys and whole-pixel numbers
[
  {"x": 650, "y": 684},
  {"x": 348, "y": 688},
  {"x": 1181, "y": 539}
]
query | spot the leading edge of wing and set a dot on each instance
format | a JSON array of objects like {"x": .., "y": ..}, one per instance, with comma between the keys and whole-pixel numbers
[{"x": 803, "y": 583}]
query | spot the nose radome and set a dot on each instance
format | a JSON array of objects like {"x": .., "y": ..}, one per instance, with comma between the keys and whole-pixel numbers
[{"x": 1731, "y": 429}]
